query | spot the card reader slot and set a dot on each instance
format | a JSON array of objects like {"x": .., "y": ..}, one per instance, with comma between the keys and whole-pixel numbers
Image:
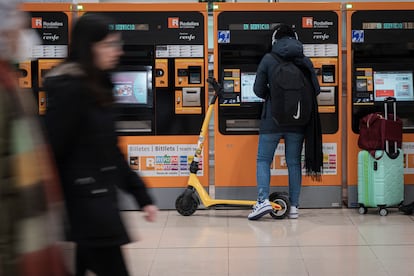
[
  {"x": 191, "y": 96},
  {"x": 326, "y": 96},
  {"x": 133, "y": 126},
  {"x": 242, "y": 125},
  {"x": 229, "y": 129}
]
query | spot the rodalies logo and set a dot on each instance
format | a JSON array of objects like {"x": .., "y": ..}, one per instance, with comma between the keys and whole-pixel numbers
[
  {"x": 175, "y": 23},
  {"x": 52, "y": 24},
  {"x": 311, "y": 23},
  {"x": 37, "y": 23},
  {"x": 307, "y": 22}
]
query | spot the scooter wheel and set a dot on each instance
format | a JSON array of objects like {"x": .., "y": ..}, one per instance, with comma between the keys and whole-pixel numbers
[
  {"x": 284, "y": 203},
  {"x": 186, "y": 204}
]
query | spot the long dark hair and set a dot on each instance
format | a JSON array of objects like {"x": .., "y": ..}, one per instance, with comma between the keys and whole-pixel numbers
[{"x": 89, "y": 29}]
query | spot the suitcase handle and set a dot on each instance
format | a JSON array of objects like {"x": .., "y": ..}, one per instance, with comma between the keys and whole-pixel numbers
[
  {"x": 391, "y": 155},
  {"x": 387, "y": 101},
  {"x": 390, "y": 99},
  {"x": 393, "y": 101}
]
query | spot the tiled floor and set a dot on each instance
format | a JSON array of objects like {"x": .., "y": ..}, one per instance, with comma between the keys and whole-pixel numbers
[{"x": 223, "y": 242}]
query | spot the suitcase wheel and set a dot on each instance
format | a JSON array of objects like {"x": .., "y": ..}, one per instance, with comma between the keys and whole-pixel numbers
[
  {"x": 362, "y": 210},
  {"x": 383, "y": 212}
]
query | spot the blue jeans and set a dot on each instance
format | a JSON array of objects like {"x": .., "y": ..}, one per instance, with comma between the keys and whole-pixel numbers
[{"x": 266, "y": 149}]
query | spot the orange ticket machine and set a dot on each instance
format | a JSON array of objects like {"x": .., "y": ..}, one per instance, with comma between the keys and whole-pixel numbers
[
  {"x": 160, "y": 91},
  {"x": 380, "y": 63},
  {"x": 51, "y": 22},
  {"x": 242, "y": 36}
]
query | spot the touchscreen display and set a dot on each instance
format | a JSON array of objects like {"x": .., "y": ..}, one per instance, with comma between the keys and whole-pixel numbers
[
  {"x": 247, "y": 94},
  {"x": 397, "y": 84},
  {"x": 131, "y": 87}
]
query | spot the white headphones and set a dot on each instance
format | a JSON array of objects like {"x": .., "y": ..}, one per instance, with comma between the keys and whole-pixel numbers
[{"x": 274, "y": 40}]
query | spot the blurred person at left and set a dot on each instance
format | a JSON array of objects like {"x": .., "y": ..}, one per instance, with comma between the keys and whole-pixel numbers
[
  {"x": 30, "y": 198},
  {"x": 80, "y": 123}
]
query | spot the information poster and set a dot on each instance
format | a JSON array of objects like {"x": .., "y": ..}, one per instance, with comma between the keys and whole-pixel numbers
[
  {"x": 408, "y": 149},
  {"x": 163, "y": 160},
  {"x": 330, "y": 160}
]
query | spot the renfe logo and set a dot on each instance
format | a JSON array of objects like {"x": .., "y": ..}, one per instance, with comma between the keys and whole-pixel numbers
[
  {"x": 37, "y": 23},
  {"x": 173, "y": 22},
  {"x": 307, "y": 22}
]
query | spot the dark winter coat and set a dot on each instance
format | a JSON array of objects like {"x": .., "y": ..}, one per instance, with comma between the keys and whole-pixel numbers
[
  {"x": 90, "y": 164},
  {"x": 290, "y": 49}
]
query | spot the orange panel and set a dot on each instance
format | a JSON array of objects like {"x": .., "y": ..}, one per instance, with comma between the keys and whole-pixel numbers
[
  {"x": 277, "y": 6},
  {"x": 358, "y": 6},
  {"x": 141, "y": 7},
  {"x": 25, "y": 79},
  {"x": 53, "y": 7},
  {"x": 237, "y": 163}
]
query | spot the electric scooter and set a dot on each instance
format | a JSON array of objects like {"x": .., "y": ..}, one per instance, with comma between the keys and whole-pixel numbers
[{"x": 187, "y": 203}]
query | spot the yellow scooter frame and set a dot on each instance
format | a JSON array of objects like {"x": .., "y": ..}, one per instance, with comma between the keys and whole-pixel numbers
[{"x": 195, "y": 194}]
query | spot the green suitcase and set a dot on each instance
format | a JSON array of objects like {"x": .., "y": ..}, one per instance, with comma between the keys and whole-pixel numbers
[{"x": 380, "y": 180}]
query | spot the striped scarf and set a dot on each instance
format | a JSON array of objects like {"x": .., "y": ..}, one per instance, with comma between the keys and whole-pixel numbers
[{"x": 30, "y": 197}]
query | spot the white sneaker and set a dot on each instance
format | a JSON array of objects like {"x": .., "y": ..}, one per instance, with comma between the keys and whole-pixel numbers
[
  {"x": 260, "y": 209},
  {"x": 294, "y": 212}
]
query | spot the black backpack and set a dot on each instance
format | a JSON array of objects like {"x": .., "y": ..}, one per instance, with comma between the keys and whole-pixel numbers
[{"x": 291, "y": 94}]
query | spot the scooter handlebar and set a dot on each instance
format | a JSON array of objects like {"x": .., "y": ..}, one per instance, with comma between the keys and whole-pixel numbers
[{"x": 218, "y": 88}]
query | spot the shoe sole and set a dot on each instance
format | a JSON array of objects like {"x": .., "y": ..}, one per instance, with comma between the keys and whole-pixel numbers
[
  {"x": 256, "y": 217},
  {"x": 293, "y": 216}
]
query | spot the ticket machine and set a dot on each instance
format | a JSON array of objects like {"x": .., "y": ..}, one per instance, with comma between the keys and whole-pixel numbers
[
  {"x": 52, "y": 22},
  {"x": 380, "y": 63},
  {"x": 160, "y": 91},
  {"x": 243, "y": 35}
]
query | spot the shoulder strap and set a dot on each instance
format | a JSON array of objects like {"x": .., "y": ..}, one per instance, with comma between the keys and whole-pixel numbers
[
  {"x": 277, "y": 57},
  {"x": 281, "y": 60},
  {"x": 302, "y": 68}
]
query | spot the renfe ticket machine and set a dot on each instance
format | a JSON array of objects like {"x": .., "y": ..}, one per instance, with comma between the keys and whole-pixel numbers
[
  {"x": 160, "y": 91},
  {"x": 51, "y": 22},
  {"x": 380, "y": 64},
  {"x": 243, "y": 34}
]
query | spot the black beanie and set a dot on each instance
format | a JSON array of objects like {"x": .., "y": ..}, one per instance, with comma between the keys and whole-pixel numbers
[{"x": 284, "y": 30}]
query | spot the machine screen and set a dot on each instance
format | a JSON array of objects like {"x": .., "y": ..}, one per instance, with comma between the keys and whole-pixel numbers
[
  {"x": 247, "y": 94},
  {"x": 132, "y": 87},
  {"x": 397, "y": 84}
]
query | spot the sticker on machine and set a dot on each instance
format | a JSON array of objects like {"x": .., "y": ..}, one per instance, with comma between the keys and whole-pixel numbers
[
  {"x": 223, "y": 37},
  {"x": 358, "y": 36},
  {"x": 163, "y": 159},
  {"x": 408, "y": 149},
  {"x": 330, "y": 160}
]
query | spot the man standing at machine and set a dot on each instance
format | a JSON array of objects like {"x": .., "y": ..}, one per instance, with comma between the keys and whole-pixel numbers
[{"x": 286, "y": 48}]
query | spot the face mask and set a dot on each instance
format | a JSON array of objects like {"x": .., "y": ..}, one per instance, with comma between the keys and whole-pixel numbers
[{"x": 27, "y": 40}]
